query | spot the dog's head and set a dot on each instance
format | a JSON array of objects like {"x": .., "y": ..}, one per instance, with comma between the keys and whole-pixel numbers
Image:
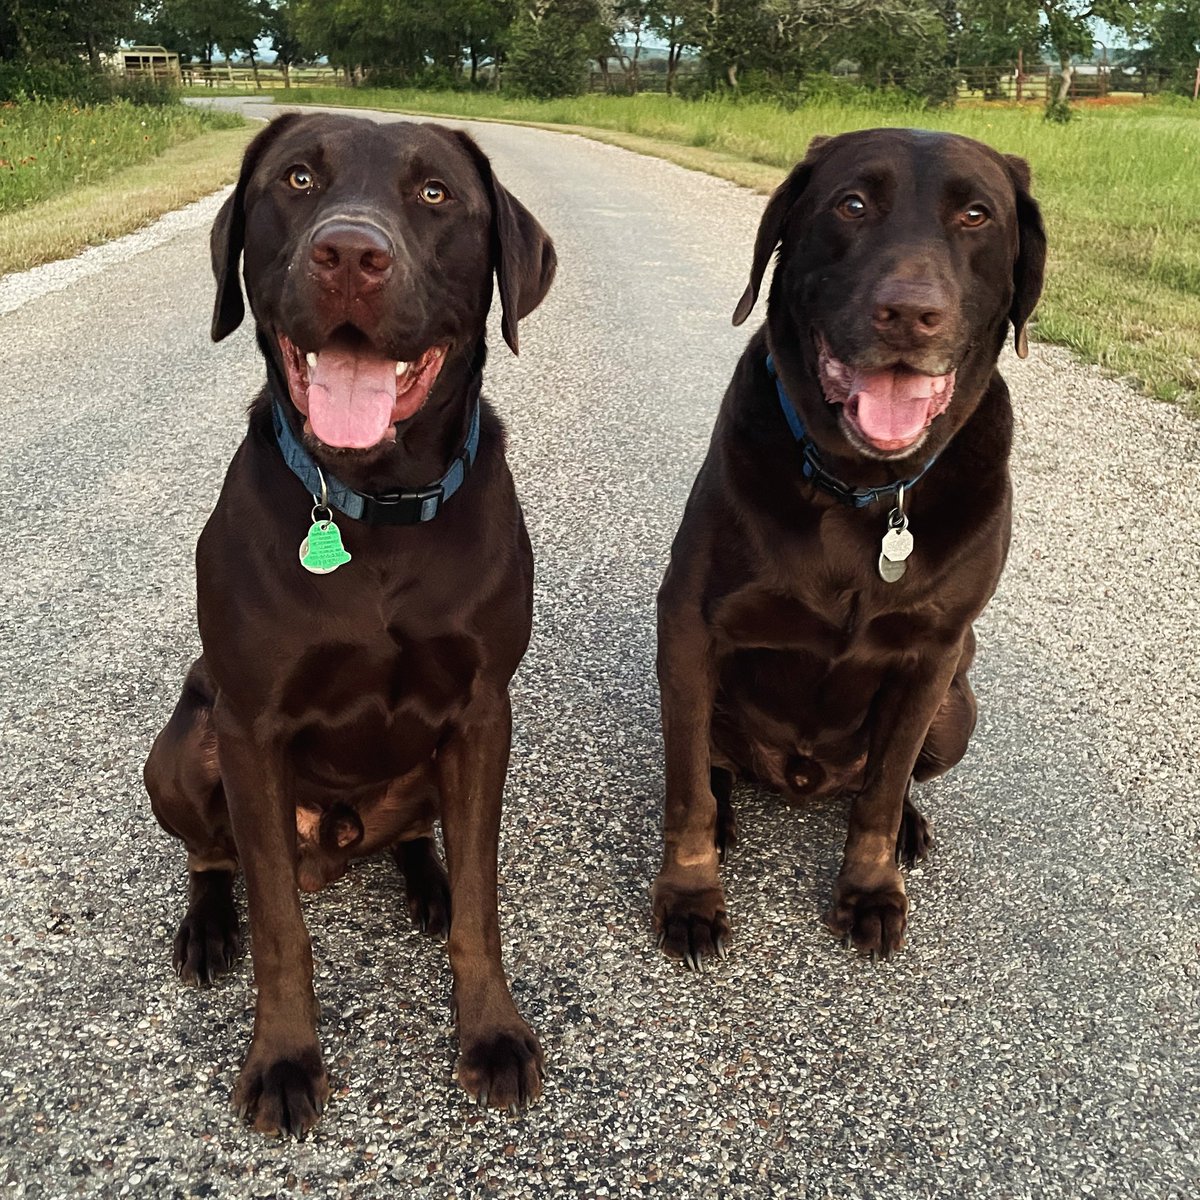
[
  {"x": 369, "y": 251},
  {"x": 903, "y": 254}
]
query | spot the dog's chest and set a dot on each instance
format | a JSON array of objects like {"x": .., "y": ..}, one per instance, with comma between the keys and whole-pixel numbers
[
  {"x": 823, "y": 625},
  {"x": 360, "y": 712}
]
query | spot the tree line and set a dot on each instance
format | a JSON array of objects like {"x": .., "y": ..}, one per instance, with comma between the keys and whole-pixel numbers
[{"x": 546, "y": 47}]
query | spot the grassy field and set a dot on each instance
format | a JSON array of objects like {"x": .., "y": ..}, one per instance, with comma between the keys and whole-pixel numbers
[
  {"x": 1119, "y": 186},
  {"x": 120, "y": 203},
  {"x": 71, "y": 176},
  {"x": 50, "y": 148}
]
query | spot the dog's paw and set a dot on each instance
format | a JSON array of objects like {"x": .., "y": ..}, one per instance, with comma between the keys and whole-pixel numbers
[
  {"x": 207, "y": 943},
  {"x": 692, "y": 926},
  {"x": 915, "y": 839},
  {"x": 872, "y": 920},
  {"x": 502, "y": 1069},
  {"x": 282, "y": 1094}
]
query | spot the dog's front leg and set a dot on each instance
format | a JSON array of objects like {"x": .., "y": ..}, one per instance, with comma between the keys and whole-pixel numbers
[
  {"x": 870, "y": 907},
  {"x": 282, "y": 1084},
  {"x": 499, "y": 1061},
  {"x": 688, "y": 900}
]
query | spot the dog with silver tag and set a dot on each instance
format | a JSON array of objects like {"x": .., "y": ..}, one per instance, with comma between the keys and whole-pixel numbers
[{"x": 850, "y": 521}]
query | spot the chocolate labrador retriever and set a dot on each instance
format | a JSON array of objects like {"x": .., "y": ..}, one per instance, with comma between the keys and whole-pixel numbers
[
  {"x": 850, "y": 521},
  {"x": 364, "y": 584}
]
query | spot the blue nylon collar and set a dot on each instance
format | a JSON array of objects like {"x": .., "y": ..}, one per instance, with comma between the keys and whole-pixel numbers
[
  {"x": 814, "y": 469},
  {"x": 405, "y": 506}
]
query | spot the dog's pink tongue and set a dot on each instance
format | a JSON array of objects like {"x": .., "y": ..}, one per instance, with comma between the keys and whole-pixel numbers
[
  {"x": 895, "y": 406},
  {"x": 351, "y": 397}
]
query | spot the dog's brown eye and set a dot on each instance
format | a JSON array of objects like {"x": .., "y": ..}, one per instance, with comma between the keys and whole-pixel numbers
[
  {"x": 301, "y": 178},
  {"x": 974, "y": 216},
  {"x": 852, "y": 207},
  {"x": 432, "y": 192}
]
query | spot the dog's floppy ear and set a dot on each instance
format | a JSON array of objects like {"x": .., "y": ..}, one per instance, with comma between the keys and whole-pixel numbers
[
  {"x": 1030, "y": 267},
  {"x": 229, "y": 232},
  {"x": 522, "y": 252},
  {"x": 774, "y": 219}
]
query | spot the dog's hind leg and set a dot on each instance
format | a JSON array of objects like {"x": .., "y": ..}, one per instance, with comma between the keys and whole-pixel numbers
[
  {"x": 944, "y": 746},
  {"x": 425, "y": 884},
  {"x": 721, "y": 782},
  {"x": 953, "y": 723},
  {"x": 915, "y": 839},
  {"x": 183, "y": 779},
  {"x": 949, "y": 731}
]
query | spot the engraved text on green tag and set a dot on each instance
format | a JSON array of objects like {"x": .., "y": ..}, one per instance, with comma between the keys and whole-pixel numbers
[{"x": 322, "y": 551}]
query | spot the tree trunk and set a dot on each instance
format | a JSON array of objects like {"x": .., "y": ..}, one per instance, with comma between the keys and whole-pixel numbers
[
  {"x": 731, "y": 75},
  {"x": 93, "y": 52},
  {"x": 19, "y": 32},
  {"x": 673, "y": 53},
  {"x": 474, "y": 64},
  {"x": 1064, "y": 84},
  {"x": 287, "y": 74},
  {"x": 358, "y": 74},
  {"x": 254, "y": 68}
]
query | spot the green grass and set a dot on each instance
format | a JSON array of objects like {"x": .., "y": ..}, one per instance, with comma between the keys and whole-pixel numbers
[
  {"x": 48, "y": 149},
  {"x": 1119, "y": 186},
  {"x": 121, "y": 202}
]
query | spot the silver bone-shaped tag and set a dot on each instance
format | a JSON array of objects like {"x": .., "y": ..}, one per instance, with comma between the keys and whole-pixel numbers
[{"x": 897, "y": 543}]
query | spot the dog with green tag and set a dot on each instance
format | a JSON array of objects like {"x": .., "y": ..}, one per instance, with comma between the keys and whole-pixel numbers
[{"x": 364, "y": 585}]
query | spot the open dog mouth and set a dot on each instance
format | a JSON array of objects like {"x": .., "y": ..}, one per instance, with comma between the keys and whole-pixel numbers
[
  {"x": 350, "y": 394},
  {"x": 888, "y": 410}
]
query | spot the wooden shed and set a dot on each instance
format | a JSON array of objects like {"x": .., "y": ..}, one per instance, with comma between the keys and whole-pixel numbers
[{"x": 149, "y": 62}]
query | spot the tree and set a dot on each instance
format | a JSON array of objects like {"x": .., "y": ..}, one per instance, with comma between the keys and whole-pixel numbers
[
  {"x": 195, "y": 28},
  {"x": 1069, "y": 29},
  {"x": 897, "y": 43},
  {"x": 49, "y": 31},
  {"x": 484, "y": 28},
  {"x": 1172, "y": 34},
  {"x": 791, "y": 38},
  {"x": 677, "y": 23},
  {"x": 279, "y": 24},
  {"x": 994, "y": 34},
  {"x": 623, "y": 22},
  {"x": 352, "y": 34},
  {"x": 549, "y": 46},
  {"x": 405, "y": 36}
]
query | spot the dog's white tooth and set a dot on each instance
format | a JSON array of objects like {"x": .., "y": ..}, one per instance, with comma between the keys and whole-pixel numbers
[
  {"x": 311, "y": 359},
  {"x": 401, "y": 367}
]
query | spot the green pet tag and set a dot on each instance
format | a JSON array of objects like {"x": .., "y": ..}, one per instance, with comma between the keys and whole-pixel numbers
[{"x": 322, "y": 551}]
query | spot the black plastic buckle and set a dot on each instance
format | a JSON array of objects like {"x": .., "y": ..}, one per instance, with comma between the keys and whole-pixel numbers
[{"x": 403, "y": 508}]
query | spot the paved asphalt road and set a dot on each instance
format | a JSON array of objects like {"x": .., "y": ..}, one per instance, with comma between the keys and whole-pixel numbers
[{"x": 1039, "y": 1036}]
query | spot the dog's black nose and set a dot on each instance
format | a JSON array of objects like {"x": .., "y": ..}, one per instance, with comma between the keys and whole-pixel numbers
[
  {"x": 909, "y": 310},
  {"x": 351, "y": 256}
]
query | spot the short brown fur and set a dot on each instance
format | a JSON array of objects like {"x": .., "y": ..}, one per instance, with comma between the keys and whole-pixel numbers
[
  {"x": 783, "y": 656},
  {"x": 335, "y": 716}
]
